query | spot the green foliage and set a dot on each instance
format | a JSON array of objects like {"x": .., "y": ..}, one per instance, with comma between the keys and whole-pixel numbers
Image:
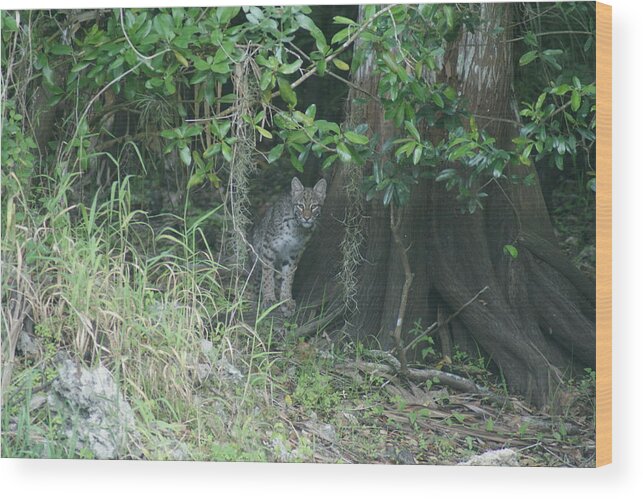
[
  {"x": 556, "y": 85},
  {"x": 189, "y": 57},
  {"x": 315, "y": 391},
  {"x": 18, "y": 147}
]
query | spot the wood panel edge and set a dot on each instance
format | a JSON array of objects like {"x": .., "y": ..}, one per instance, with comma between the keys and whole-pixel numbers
[{"x": 603, "y": 234}]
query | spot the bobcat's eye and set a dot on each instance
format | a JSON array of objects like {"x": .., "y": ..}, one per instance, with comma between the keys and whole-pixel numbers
[
  {"x": 315, "y": 208},
  {"x": 300, "y": 207}
]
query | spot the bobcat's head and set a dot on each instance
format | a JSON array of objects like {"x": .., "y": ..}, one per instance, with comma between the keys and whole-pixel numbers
[{"x": 307, "y": 202}]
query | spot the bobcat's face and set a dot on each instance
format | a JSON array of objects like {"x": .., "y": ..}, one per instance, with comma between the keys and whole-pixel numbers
[{"x": 307, "y": 202}]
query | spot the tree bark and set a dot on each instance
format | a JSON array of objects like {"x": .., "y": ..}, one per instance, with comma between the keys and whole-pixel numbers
[{"x": 536, "y": 321}]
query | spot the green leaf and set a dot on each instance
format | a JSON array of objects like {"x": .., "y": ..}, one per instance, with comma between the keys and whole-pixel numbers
[
  {"x": 388, "y": 194},
  {"x": 530, "y": 39},
  {"x": 326, "y": 126},
  {"x": 341, "y": 64},
  {"x": 117, "y": 63},
  {"x": 290, "y": 68},
  {"x": 342, "y": 20},
  {"x": 263, "y": 132},
  {"x": 561, "y": 89},
  {"x": 405, "y": 149},
  {"x": 356, "y": 138},
  {"x": 225, "y": 14},
  {"x": 182, "y": 60},
  {"x": 410, "y": 127},
  {"x": 212, "y": 150},
  {"x": 390, "y": 62},
  {"x": 306, "y": 22},
  {"x": 226, "y": 150},
  {"x": 437, "y": 98},
  {"x": 287, "y": 93},
  {"x": 341, "y": 35},
  {"x": 170, "y": 87},
  {"x": 559, "y": 162},
  {"x": 79, "y": 67},
  {"x": 575, "y": 100},
  {"x": 450, "y": 93},
  {"x": 60, "y": 49},
  {"x": 275, "y": 153},
  {"x": 296, "y": 163},
  {"x": 163, "y": 25},
  {"x": 329, "y": 161},
  {"x": 445, "y": 175},
  {"x": 528, "y": 57},
  {"x": 321, "y": 67},
  {"x": 448, "y": 14},
  {"x": 196, "y": 179},
  {"x": 185, "y": 155},
  {"x": 265, "y": 81},
  {"x": 344, "y": 152},
  {"x": 48, "y": 75},
  {"x": 200, "y": 64},
  {"x": 221, "y": 68},
  {"x": 417, "y": 154},
  {"x": 460, "y": 151},
  {"x": 510, "y": 250}
]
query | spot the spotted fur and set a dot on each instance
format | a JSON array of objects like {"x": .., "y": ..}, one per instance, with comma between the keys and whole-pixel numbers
[{"x": 280, "y": 238}]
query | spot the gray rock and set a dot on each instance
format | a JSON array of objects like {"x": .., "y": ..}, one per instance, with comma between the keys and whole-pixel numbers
[
  {"x": 229, "y": 371},
  {"x": 206, "y": 347},
  {"x": 280, "y": 450},
  {"x": 27, "y": 345},
  {"x": 399, "y": 455},
  {"x": 327, "y": 432},
  {"x": 93, "y": 410},
  {"x": 500, "y": 457}
]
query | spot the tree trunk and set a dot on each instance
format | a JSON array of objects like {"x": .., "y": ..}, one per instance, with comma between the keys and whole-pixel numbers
[{"x": 536, "y": 320}]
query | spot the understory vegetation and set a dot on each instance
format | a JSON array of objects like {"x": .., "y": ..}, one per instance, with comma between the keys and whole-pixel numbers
[{"x": 138, "y": 146}]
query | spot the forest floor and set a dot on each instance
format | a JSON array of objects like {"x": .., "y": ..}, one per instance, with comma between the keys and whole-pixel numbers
[
  {"x": 305, "y": 401},
  {"x": 199, "y": 383},
  {"x": 336, "y": 407}
]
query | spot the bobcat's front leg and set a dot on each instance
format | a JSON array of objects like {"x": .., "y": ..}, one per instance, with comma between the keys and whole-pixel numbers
[
  {"x": 268, "y": 278},
  {"x": 288, "y": 275}
]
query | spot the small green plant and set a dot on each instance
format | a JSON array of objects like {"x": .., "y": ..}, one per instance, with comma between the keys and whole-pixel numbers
[{"x": 315, "y": 391}]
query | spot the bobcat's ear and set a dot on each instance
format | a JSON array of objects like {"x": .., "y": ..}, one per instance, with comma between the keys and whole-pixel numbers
[
  {"x": 296, "y": 186},
  {"x": 320, "y": 188}
]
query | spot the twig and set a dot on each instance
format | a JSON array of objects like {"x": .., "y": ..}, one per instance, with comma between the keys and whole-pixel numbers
[
  {"x": 436, "y": 326},
  {"x": 553, "y": 33},
  {"x": 353, "y": 86},
  {"x": 408, "y": 280}
]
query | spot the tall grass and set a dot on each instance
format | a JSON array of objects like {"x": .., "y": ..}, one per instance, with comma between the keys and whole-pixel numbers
[{"x": 85, "y": 276}]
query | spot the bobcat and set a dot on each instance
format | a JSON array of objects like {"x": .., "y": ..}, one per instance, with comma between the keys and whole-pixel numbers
[{"x": 280, "y": 237}]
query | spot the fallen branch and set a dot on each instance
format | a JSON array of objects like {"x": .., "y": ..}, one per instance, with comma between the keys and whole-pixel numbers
[{"x": 419, "y": 375}]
